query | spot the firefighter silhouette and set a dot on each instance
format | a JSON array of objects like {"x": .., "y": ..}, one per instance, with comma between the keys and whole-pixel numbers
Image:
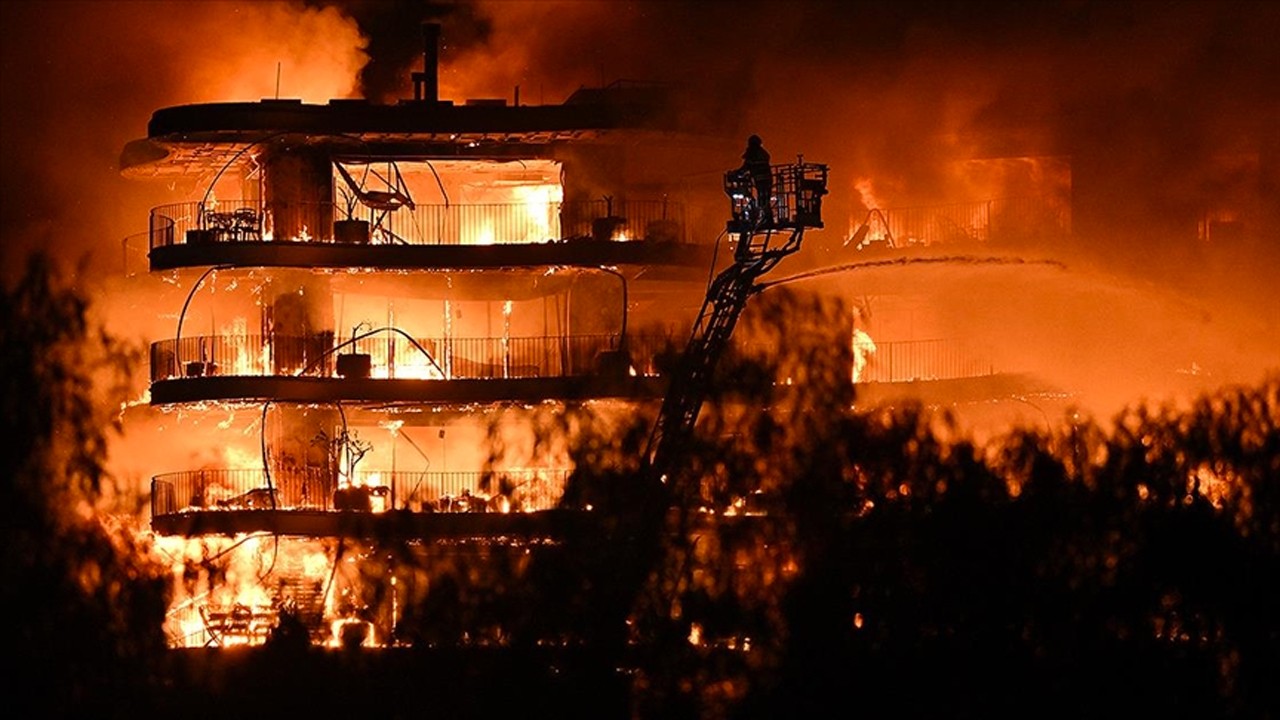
[{"x": 755, "y": 163}]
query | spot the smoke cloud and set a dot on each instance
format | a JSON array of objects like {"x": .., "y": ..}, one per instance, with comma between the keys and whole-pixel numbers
[
  {"x": 1164, "y": 111},
  {"x": 81, "y": 79}
]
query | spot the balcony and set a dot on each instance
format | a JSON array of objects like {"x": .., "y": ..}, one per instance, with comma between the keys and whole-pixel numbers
[
  {"x": 318, "y": 501},
  {"x": 919, "y": 360},
  {"x": 1004, "y": 220},
  {"x": 390, "y": 367},
  {"x": 249, "y": 221},
  {"x": 457, "y": 237},
  {"x": 394, "y": 356}
]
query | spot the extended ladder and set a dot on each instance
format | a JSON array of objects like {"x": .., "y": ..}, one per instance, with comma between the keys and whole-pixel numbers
[{"x": 796, "y": 204}]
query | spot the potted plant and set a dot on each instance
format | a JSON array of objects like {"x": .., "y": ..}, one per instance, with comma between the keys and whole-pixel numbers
[
  {"x": 203, "y": 366},
  {"x": 355, "y": 364},
  {"x": 346, "y": 449},
  {"x": 605, "y": 228},
  {"x": 349, "y": 229}
]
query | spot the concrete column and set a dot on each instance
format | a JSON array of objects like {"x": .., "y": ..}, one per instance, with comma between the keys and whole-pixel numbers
[{"x": 299, "y": 192}]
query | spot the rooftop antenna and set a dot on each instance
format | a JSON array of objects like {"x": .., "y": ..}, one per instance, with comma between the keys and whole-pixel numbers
[{"x": 277, "y": 79}]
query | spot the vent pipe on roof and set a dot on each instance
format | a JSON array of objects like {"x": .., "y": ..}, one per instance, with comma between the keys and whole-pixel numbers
[{"x": 426, "y": 84}]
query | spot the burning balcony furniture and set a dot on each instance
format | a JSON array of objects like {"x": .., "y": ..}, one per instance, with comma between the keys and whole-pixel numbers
[
  {"x": 243, "y": 224},
  {"x": 381, "y": 203},
  {"x": 238, "y": 624},
  {"x": 463, "y": 502},
  {"x": 255, "y": 499}
]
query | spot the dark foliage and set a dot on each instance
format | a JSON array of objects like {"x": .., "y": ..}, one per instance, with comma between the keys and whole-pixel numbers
[
  {"x": 820, "y": 556},
  {"x": 83, "y": 636}
]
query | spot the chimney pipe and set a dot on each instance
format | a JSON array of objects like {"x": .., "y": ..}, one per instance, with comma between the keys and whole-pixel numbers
[{"x": 426, "y": 84}]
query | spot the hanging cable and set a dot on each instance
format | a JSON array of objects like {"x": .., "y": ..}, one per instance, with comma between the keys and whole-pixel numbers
[
  {"x": 177, "y": 340},
  {"x": 355, "y": 338},
  {"x": 266, "y": 465}
]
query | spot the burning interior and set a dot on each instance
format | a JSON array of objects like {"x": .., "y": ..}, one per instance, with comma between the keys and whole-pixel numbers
[
  {"x": 377, "y": 297},
  {"x": 378, "y": 302}
]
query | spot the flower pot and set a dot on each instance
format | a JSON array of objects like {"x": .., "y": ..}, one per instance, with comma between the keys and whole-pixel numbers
[
  {"x": 352, "y": 498},
  {"x": 603, "y": 229},
  {"x": 200, "y": 369},
  {"x": 355, "y": 365},
  {"x": 355, "y": 232},
  {"x": 613, "y": 363}
]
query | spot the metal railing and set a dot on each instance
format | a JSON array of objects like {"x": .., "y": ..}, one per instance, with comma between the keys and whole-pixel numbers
[
  {"x": 1029, "y": 216},
  {"x": 940, "y": 223},
  {"x": 608, "y": 219},
  {"x": 133, "y": 254},
  {"x": 392, "y": 355},
  {"x": 516, "y": 490},
  {"x": 907, "y": 360},
  {"x": 476, "y": 224},
  {"x": 1007, "y": 218}
]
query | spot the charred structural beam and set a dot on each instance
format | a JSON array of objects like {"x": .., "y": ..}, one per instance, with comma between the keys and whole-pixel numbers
[
  {"x": 540, "y": 525},
  {"x": 191, "y": 122},
  {"x": 326, "y": 390},
  {"x": 568, "y": 253}
]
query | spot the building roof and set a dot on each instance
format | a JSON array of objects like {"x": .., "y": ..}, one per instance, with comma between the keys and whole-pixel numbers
[{"x": 184, "y": 138}]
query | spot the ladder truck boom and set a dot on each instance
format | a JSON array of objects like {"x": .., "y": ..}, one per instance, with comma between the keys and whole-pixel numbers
[{"x": 768, "y": 229}]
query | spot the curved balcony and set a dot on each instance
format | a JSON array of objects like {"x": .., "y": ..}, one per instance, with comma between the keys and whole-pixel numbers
[
  {"x": 389, "y": 366},
  {"x": 248, "y": 232},
  {"x": 917, "y": 360},
  {"x": 943, "y": 371},
  {"x": 1001, "y": 219},
  {"x": 316, "y": 501}
]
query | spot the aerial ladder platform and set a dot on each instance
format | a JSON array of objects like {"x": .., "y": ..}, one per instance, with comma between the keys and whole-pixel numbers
[{"x": 767, "y": 229}]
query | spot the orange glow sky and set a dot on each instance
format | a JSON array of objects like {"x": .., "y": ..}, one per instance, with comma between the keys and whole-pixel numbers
[{"x": 1150, "y": 100}]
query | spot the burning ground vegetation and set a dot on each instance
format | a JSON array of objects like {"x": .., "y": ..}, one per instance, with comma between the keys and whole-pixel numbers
[{"x": 809, "y": 553}]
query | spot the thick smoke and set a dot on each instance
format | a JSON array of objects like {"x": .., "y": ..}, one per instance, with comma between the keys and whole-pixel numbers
[
  {"x": 1155, "y": 104},
  {"x": 1165, "y": 111},
  {"x": 81, "y": 79}
]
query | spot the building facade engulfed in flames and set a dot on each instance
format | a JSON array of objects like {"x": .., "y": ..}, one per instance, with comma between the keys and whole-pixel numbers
[
  {"x": 378, "y": 301},
  {"x": 375, "y": 296}
]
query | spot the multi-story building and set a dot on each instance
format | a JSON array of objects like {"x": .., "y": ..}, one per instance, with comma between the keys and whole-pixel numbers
[
  {"x": 378, "y": 300},
  {"x": 368, "y": 289}
]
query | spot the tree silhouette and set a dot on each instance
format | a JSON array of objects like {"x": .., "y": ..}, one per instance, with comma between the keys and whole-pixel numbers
[{"x": 85, "y": 605}]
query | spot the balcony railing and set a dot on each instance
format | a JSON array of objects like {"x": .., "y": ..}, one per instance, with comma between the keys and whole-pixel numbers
[
  {"x": 251, "y": 221},
  {"x": 1000, "y": 219},
  {"x": 390, "y": 355},
  {"x": 517, "y": 490},
  {"x": 907, "y": 360}
]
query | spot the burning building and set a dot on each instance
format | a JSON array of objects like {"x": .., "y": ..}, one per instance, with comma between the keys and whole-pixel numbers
[
  {"x": 375, "y": 297},
  {"x": 364, "y": 315},
  {"x": 378, "y": 300}
]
